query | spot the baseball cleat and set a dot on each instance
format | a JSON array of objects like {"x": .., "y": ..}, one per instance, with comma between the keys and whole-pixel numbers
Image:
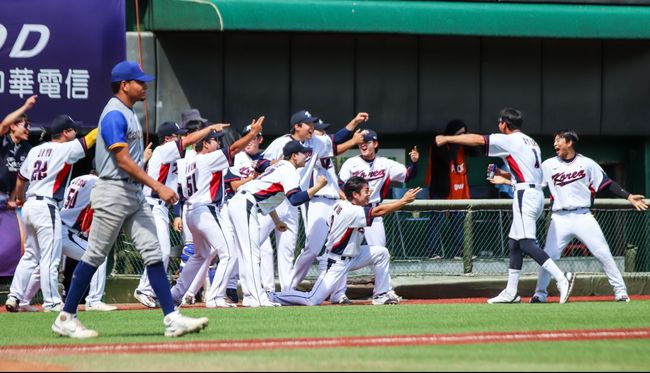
[
  {"x": 146, "y": 300},
  {"x": 11, "y": 304},
  {"x": 100, "y": 306},
  {"x": 504, "y": 297},
  {"x": 623, "y": 298},
  {"x": 384, "y": 299},
  {"x": 343, "y": 300},
  {"x": 189, "y": 298},
  {"x": 219, "y": 303},
  {"x": 268, "y": 303},
  {"x": 232, "y": 295},
  {"x": 537, "y": 299},
  {"x": 565, "y": 286},
  {"x": 68, "y": 325},
  {"x": 55, "y": 308},
  {"x": 27, "y": 308},
  {"x": 177, "y": 325}
]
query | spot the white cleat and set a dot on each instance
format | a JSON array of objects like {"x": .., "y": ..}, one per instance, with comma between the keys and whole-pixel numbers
[
  {"x": 268, "y": 303},
  {"x": 177, "y": 325},
  {"x": 623, "y": 298},
  {"x": 188, "y": 299},
  {"x": 504, "y": 298},
  {"x": 100, "y": 306},
  {"x": 565, "y": 286},
  {"x": 68, "y": 325},
  {"x": 11, "y": 304},
  {"x": 146, "y": 300},
  {"x": 219, "y": 303},
  {"x": 385, "y": 298},
  {"x": 56, "y": 308}
]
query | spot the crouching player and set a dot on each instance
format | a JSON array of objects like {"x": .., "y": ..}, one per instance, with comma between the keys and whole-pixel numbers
[{"x": 344, "y": 253}]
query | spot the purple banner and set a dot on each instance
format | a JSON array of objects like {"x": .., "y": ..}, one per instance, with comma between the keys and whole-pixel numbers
[
  {"x": 11, "y": 244},
  {"x": 62, "y": 51}
]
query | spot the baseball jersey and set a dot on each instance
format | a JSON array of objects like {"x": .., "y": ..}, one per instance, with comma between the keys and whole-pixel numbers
[
  {"x": 274, "y": 150},
  {"x": 47, "y": 167},
  {"x": 324, "y": 166},
  {"x": 163, "y": 166},
  {"x": 12, "y": 156},
  {"x": 273, "y": 186},
  {"x": 573, "y": 184},
  {"x": 244, "y": 164},
  {"x": 180, "y": 169},
  {"x": 118, "y": 126},
  {"x": 77, "y": 201},
  {"x": 378, "y": 173},
  {"x": 322, "y": 153},
  {"x": 519, "y": 152},
  {"x": 202, "y": 178},
  {"x": 346, "y": 227}
]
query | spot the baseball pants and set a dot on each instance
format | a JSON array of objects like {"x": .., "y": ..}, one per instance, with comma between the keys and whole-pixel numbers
[
  {"x": 286, "y": 242},
  {"x": 42, "y": 224},
  {"x": 160, "y": 213},
  {"x": 212, "y": 237},
  {"x": 527, "y": 207},
  {"x": 338, "y": 267},
  {"x": 580, "y": 224},
  {"x": 314, "y": 215}
]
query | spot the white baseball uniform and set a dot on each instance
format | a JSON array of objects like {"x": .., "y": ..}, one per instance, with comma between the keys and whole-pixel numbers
[
  {"x": 522, "y": 154},
  {"x": 202, "y": 180},
  {"x": 378, "y": 173},
  {"x": 264, "y": 194},
  {"x": 573, "y": 185},
  {"x": 47, "y": 169},
  {"x": 190, "y": 153},
  {"x": 344, "y": 253},
  {"x": 161, "y": 167}
]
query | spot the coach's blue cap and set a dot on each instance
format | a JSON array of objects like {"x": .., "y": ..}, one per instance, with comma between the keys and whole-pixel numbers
[
  {"x": 294, "y": 147},
  {"x": 321, "y": 126},
  {"x": 63, "y": 122},
  {"x": 369, "y": 135},
  {"x": 170, "y": 128},
  {"x": 129, "y": 70},
  {"x": 303, "y": 116}
]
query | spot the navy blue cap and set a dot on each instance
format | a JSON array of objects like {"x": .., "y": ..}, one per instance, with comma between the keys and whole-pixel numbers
[
  {"x": 247, "y": 129},
  {"x": 303, "y": 116},
  {"x": 294, "y": 147},
  {"x": 170, "y": 128},
  {"x": 369, "y": 135},
  {"x": 129, "y": 70},
  {"x": 63, "y": 122},
  {"x": 213, "y": 135},
  {"x": 321, "y": 126}
]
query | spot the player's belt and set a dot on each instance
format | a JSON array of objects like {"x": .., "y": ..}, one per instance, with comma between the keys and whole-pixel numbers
[
  {"x": 374, "y": 204},
  {"x": 577, "y": 209},
  {"x": 156, "y": 201},
  {"x": 326, "y": 197},
  {"x": 125, "y": 179},
  {"x": 41, "y": 198},
  {"x": 521, "y": 186}
]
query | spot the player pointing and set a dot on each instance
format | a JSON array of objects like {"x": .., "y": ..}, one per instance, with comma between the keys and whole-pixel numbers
[{"x": 522, "y": 154}]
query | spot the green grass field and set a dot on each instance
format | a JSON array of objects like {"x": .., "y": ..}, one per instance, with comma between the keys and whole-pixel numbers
[{"x": 302, "y": 322}]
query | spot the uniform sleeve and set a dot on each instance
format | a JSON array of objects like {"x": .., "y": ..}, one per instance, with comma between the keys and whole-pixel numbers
[
  {"x": 24, "y": 172},
  {"x": 344, "y": 173},
  {"x": 326, "y": 148},
  {"x": 362, "y": 217},
  {"x": 76, "y": 151},
  {"x": 289, "y": 179},
  {"x": 546, "y": 173},
  {"x": 598, "y": 178},
  {"x": 497, "y": 145},
  {"x": 274, "y": 151},
  {"x": 114, "y": 129},
  {"x": 172, "y": 152},
  {"x": 396, "y": 171},
  {"x": 219, "y": 160}
]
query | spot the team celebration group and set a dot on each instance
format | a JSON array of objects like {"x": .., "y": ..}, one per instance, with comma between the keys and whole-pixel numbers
[{"x": 227, "y": 200}]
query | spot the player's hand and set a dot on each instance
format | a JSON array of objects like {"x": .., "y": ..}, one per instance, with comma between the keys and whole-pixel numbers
[
  {"x": 11, "y": 204},
  {"x": 360, "y": 118},
  {"x": 167, "y": 195},
  {"x": 18, "y": 202},
  {"x": 30, "y": 102},
  {"x": 218, "y": 127},
  {"x": 321, "y": 182},
  {"x": 256, "y": 124},
  {"x": 358, "y": 136},
  {"x": 441, "y": 140},
  {"x": 148, "y": 152},
  {"x": 414, "y": 154},
  {"x": 281, "y": 226},
  {"x": 498, "y": 179},
  {"x": 637, "y": 200},
  {"x": 178, "y": 224},
  {"x": 410, "y": 195}
]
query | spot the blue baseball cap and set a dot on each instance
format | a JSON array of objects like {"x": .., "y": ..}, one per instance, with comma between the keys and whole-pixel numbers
[
  {"x": 170, "y": 128},
  {"x": 321, "y": 126},
  {"x": 129, "y": 70},
  {"x": 303, "y": 116},
  {"x": 63, "y": 122},
  {"x": 294, "y": 147},
  {"x": 370, "y": 135}
]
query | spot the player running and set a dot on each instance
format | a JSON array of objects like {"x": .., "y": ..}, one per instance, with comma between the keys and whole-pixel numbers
[
  {"x": 347, "y": 221},
  {"x": 522, "y": 154}
]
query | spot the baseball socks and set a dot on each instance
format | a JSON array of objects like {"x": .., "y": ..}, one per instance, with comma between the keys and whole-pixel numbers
[
  {"x": 160, "y": 285},
  {"x": 552, "y": 268},
  {"x": 513, "y": 281},
  {"x": 83, "y": 273}
]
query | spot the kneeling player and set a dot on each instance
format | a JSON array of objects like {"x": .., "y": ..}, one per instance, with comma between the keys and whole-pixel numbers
[{"x": 344, "y": 253}]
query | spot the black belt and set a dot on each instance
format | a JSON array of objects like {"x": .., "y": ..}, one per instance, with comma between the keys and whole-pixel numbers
[
  {"x": 127, "y": 179},
  {"x": 346, "y": 257},
  {"x": 575, "y": 209},
  {"x": 158, "y": 202},
  {"x": 374, "y": 204},
  {"x": 41, "y": 198}
]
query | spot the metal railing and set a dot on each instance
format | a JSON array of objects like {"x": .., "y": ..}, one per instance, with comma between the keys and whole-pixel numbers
[{"x": 468, "y": 236}]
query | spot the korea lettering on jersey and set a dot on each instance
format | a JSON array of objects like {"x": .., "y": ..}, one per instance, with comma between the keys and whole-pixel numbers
[
  {"x": 270, "y": 189},
  {"x": 47, "y": 167},
  {"x": 202, "y": 177},
  {"x": 520, "y": 152},
  {"x": 244, "y": 164},
  {"x": 378, "y": 173},
  {"x": 163, "y": 166},
  {"x": 573, "y": 184},
  {"x": 346, "y": 228},
  {"x": 77, "y": 201}
]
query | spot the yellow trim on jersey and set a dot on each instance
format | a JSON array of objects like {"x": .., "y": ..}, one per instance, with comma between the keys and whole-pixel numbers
[
  {"x": 117, "y": 145},
  {"x": 91, "y": 138}
]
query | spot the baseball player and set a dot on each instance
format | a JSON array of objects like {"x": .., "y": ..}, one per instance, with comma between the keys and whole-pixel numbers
[
  {"x": 522, "y": 154},
  {"x": 302, "y": 128},
  {"x": 344, "y": 253},
  {"x": 203, "y": 182},
  {"x": 118, "y": 202},
  {"x": 316, "y": 211},
  {"x": 163, "y": 167},
  {"x": 46, "y": 170},
  {"x": 264, "y": 194},
  {"x": 573, "y": 181}
]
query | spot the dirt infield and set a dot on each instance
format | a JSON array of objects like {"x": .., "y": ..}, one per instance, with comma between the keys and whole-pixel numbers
[{"x": 315, "y": 343}]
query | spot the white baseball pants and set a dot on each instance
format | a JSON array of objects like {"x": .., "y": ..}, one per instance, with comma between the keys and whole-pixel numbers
[
  {"x": 527, "y": 207},
  {"x": 160, "y": 213},
  {"x": 285, "y": 242},
  {"x": 580, "y": 224}
]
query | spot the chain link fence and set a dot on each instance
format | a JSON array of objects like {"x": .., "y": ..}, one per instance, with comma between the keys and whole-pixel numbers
[{"x": 463, "y": 237}]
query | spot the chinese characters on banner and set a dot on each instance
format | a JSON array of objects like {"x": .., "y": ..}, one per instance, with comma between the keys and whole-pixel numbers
[{"x": 48, "y": 83}]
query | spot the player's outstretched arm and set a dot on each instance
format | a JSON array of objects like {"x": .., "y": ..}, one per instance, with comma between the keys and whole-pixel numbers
[
  {"x": 196, "y": 136},
  {"x": 357, "y": 120},
  {"x": 127, "y": 164},
  {"x": 256, "y": 128},
  {"x": 468, "y": 139},
  {"x": 356, "y": 139},
  {"x": 11, "y": 117},
  {"x": 387, "y": 208},
  {"x": 638, "y": 201}
]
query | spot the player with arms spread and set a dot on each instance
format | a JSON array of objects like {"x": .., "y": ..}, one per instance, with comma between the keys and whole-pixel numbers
[{"x": 522, "y": 154}]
